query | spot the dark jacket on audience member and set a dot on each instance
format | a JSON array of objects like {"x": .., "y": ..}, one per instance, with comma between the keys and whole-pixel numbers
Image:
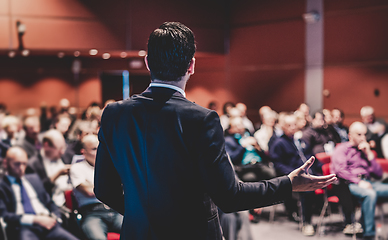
[
  {"x": 286, "y": 158},
  {"x": 8, "y": 201}
]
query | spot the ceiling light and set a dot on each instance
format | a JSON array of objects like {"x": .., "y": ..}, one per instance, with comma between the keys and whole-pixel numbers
[
  {"x": 93, "y": 52},
  {"x": 106, "y": 56}
]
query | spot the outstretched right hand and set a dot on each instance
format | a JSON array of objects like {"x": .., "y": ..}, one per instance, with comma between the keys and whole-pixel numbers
[{"x": 302, "y": 181}]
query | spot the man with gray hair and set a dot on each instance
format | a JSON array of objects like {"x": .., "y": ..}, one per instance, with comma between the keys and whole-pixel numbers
[
  {"x": 376, "y": 129},
  {"x": 48, "y": 164}
]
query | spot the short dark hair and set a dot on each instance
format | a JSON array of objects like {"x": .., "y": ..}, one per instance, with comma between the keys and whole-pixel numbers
[
  {"x": 318, "y": 112},
  {"x": 341, "y": 112},
  {"x": 170, "y": 50}
]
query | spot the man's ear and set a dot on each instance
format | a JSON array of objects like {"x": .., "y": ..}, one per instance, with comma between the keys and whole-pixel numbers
[
  {"x": 190, "y": 70},
  {"x": 146, "y": 62}
]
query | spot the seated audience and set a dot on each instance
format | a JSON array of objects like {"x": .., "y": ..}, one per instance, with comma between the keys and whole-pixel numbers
[
  {"x": 25, "y": 205},
  {"x": 376, "y": 129},
  {"x": 317, "y": 137},
  {"x": 355, "y": 163},
  {"x": 97, "y": 218},
  {"x": 245, "y": 153},
  {"x": 31, "y": 142},
  {"x": 50, "y": 167},
  {"x": 286, "y": 154},
  {"x": 247, "y": 123},
  {"x": 338, "y": 119},
  {"x": 264, "y": 134}
]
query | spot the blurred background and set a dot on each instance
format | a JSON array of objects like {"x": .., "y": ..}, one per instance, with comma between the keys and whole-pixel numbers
[{"x": 331, "y": 53}]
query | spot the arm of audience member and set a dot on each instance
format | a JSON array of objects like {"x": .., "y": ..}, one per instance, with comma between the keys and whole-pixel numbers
[
  {"x": 64, "y": 171},
  {"x": 340, "y": 166},
  {"x": 107, "y": 183},
  {"x": 78, "y": 180},
  {"x": 303, "y": 182},
  {"x": 365, "y": 147},
  {"x": 86, "y": 189},
  {"x": 45, "y": 221}
]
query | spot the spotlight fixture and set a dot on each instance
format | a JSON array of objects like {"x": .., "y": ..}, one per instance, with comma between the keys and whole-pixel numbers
[
  {"x": 93, "y": 52},
  {"x": 61, "y": 54},
  {"x": 77, "y": 53},
  {"x": 142, "y": 53},
  {"x": 11, "y": 54},
  {"x": 106, "y": 56},
  {"x": 25, "y": 52},
  {"x": 123, "y": 54}
]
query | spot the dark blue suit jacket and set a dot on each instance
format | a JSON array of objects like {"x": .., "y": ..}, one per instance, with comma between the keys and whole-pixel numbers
[
  {"x": 8, "y": 201},
  {"x": 162, "y": 163},
  {"x": 285, "y": 156}
]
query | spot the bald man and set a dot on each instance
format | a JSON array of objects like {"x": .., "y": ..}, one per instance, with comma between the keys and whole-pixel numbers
[
  {"x": 25, "y": 205},
  {"x": 355, "y": 164},
  {"x": 98, "y": 218}
]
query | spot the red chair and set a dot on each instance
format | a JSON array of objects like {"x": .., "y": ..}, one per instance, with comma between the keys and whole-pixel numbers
[
  {"x": 323, "y": 157},
  {"x": 327, "y": 199},
  {"x": 69, "y": 197}
]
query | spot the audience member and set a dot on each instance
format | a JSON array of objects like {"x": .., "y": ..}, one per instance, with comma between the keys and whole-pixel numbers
[
  {"x": 31, "y": 142},
  {"x": 25, "y": 205},
  {"x": 73, "y": 150},
  {"x": 305, "y": 109},
  {"x": 264, "y": 134},
  {"x": 247, "y": 123},
  {"x": 317, "y": 137},
  {"x": 286, "y": 153},
  {"x": 224, "y": 118},
  {"x": 338, "y": 119},
  {"x": 355, "y": 163},
  {"x": 62, "y": 124},
  {"x": 245, "y": 153},
  {"x": 376, "y": 129},
  {"x": 97, "y": 218},
  {"x": 10, "y": 125},
  {"x": 213, "y": 105},
  {"x": 50, "y": 167}
]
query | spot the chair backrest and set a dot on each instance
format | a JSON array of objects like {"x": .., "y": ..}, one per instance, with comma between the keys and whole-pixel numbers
[
  {"x": 323, "y": 157},
  {"x": 69, "y": 199},
  {"x": 326, "y": 171}
]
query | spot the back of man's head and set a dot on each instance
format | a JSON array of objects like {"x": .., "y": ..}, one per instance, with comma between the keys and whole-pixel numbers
[{"x": 171, "y": 48}]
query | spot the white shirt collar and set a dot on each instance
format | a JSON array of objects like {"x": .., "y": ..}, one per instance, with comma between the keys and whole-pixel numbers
[{"x": 165, "y": 85}]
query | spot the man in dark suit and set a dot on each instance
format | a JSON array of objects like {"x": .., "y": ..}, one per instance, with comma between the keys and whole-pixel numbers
[
  {"x": 25, "y": 205},
  {"x": 161, "y": 159}
]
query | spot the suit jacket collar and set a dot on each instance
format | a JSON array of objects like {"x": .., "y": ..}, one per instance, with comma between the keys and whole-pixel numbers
[{"x": 166, "y": 85}]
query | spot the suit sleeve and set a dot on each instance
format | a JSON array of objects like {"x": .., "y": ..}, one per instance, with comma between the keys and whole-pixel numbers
[
  {"x": 107, "y": 183},
  {"x": 219, "y": 179},
  {"x": 11, "y": 218}
]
